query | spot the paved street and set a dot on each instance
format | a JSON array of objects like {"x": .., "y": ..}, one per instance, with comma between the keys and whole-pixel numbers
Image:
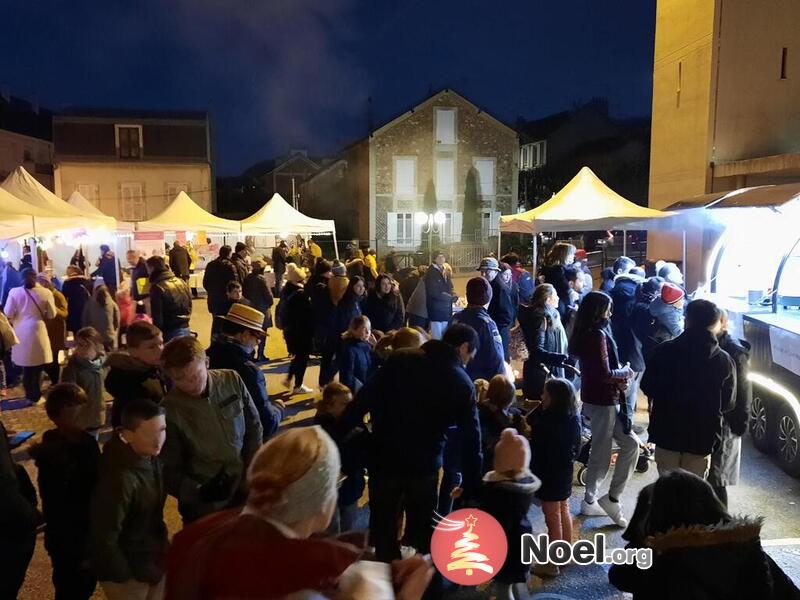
[{"x": 765, "y": 491}]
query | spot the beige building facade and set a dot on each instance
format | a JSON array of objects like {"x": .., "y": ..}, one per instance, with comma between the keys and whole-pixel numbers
[
  {"x": 35, "y": 154},
  {"x": 726, "y": 103}
]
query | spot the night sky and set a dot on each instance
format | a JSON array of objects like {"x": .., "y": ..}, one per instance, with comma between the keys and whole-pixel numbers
[{"x": 280, "y": 74}]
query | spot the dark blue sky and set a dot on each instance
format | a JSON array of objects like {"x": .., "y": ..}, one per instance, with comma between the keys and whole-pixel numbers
[{"x": 276, "y": 74}]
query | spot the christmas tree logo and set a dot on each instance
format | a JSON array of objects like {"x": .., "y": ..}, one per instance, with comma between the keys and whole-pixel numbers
[{"x": 468, "y": 546}]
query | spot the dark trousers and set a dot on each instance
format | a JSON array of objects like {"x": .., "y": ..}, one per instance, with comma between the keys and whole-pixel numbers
[
  {"x": 415, "y": 321},
  {"x": 262, "y": 345},
  {"x": 505, "y": 336},
  {"x": 297, "y": 368},
  {"x": 72, "y": 577},
  {"x": 16, "y": 556},
  {"x": 53, "y": 371},
  {"x": 388, "y": 497},
  {"x": 32, "y": 382},
  {"x": 278, "y": 283},
  {"x": 328, "y": 364}
]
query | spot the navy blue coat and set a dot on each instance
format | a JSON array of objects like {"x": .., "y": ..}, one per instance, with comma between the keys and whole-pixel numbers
[
  {"x": 385, "y": 313},
  {"x": 438, "y": 295},
  {"x": 555, "y": 442},
  {"x": 488, "y": 361},
  {"x": 503, "y": 306},
  {"x": 13, "y": 280},
  {"x": 630, "y": 348},
  {"x": 355, "y": 363},
  {"x": 227, "y": 353},
  {"x": 410, "y": 420}
]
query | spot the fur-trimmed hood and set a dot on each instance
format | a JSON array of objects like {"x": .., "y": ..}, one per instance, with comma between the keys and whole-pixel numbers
[{"x": 741, "y": 530}]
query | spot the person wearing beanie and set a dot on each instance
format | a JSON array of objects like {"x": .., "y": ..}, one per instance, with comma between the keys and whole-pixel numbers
[
  {"x": 489, "y": 361},
  {"x": 555, "y": 442},
  {"x": 670, "y": 272},
  {"x": 645, "y": 327},
  {"x": 269, "y": 549},
  {"x": 507, "y": 493},
  {"x": 667, "y": 311},
  {"x": 630, "y": 349}
]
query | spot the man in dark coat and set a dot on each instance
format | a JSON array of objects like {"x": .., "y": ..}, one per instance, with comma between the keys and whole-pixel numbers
[
  {"x": 138, "y": 271},
  {"x": 503, "y": 305},
  {"x": 233, "y": 349},
  {"x": 488, "y": 361},
  {"x": 108, "y": 269},
  {"x": 218, "y": 274},
  {"x": 691, "y": 383},
  {"x": 410, "y": 422},
  {"x": 238, "y": 258},
  {"x": 438, "y": 296},
  {"x": 630, "y": 348},
  {"x": 179, "y": 260},
  {"x": 726, "y": 457},
  {"x": 170, "y": 300},
  {"x": 257, "y": 292},
  {"x": 76, "y": 289},
  {"x": 279, "y": 265}
]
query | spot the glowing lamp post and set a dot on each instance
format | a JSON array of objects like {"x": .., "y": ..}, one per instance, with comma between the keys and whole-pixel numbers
[{"x": 431, "y": 223}]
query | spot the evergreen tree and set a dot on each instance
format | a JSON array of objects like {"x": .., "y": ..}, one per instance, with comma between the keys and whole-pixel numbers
[{"x": 471, "y": 221}]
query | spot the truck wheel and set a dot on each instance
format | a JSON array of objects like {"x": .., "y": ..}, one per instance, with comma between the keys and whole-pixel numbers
[
  {"x": 788, "y": 443},
  {"x": 762, "y": 423}
]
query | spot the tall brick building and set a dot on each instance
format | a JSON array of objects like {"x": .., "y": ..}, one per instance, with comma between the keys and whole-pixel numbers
[{"x": 445, "y": 154}]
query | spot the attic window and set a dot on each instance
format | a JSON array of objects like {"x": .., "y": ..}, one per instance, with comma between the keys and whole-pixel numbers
[
  {"x": 445, "y": 125},
  {"x": 129, "y": 141}
]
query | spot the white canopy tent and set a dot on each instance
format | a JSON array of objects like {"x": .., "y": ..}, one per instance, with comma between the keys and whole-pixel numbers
[
  {"x": 184, "y": 214},
  {"x": 584, "y": 204},
  {"x": 278, "y": 217},
  {"x": 24, "y": 186},
  {"x": 78, "y": 201},
  {"x": 19, "y": 219}
]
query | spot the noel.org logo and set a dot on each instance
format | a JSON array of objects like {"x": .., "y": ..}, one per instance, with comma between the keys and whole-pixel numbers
[{"x": 468, "y": 546}]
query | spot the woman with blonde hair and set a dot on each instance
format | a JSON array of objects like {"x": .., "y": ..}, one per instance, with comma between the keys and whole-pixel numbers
[
  {"x": 267, "y": 549},
  {"x": 561, "y": 256}
]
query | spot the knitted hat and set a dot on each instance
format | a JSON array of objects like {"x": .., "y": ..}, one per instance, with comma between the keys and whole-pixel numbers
[
  {"x": 512, "y": 453},
  {"x": 671, "y": 293},
  {"x": 294, "y": 273},
  {"x": 479, "y": 292},
  {"x": 580, "y": 254},
  {"x": 338, "y": 269},
  {"x": 489, "y": 264},
  {"x": 670, "y": 272}
]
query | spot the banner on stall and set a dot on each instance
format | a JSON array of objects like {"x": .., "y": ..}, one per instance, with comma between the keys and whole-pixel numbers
[
  {"x": 785, "y": 349},
  {"x": 149, "y": 243}
]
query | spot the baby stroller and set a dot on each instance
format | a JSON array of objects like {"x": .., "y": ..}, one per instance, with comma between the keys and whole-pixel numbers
[{"x": 642, "y": 463}]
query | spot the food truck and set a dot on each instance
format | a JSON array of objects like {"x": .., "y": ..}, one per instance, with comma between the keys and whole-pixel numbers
[{"x": 752, "y": 254}]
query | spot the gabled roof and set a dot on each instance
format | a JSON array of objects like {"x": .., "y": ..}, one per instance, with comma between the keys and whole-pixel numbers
[
  {"x": 277, "y": 216},
  {"x": 429, "y": 100},
  {"x": 131, "y": 113},
  {"x": 184, "y": 214}
]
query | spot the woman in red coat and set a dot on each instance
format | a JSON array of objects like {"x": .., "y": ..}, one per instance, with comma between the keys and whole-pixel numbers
[{"x": 266, "y": 550}]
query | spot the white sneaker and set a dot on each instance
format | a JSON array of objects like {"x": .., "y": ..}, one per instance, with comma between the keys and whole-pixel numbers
[
  {"x": 591, "y": 510},
  {"x": 613, "y": 510},
  {"x": 301, "y": 389}
]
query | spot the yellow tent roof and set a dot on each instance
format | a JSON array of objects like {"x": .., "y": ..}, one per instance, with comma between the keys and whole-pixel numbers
[
  {"x": 184, "y": 214},
  {"x": 585, "y": 203}
]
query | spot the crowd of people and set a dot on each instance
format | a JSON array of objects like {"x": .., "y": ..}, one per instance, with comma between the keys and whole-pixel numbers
[{"x": 426, "y": 414}]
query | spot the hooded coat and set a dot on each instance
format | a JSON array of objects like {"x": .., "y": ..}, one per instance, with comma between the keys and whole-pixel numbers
[
  {"x": 691, "y": 383},
  {"x": 127, "y": 535},
  {"x": 723, "y": 561},
  {"x": 669, "y": 317},
  {"x": 624, "y": 296},
  {"x": 218, "y": 274},
  {"x": 130, "y": 379},
  {"x": 88, "y": 374},
  {"x": 546, "y": 342},
  {"x": 179, "y": 261}
]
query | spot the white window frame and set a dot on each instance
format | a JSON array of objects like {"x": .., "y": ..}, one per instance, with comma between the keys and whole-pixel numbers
[
  {"x": 483, "y": 188},
  {"x": 119, "y": 126},
  {"x": 407, "y": 239},
  {"x": 533, "y": 155},
  {"x": 93, "y": 197},
  {"x": 409, "y": 192},
  {"x": 490, "y": 223},
  {"x": 132, "y": 208},
  {"x": 440, "y": 192},
  {"x": 436, "y": 112}
]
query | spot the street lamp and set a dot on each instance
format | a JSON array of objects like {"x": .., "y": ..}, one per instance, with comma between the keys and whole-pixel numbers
[{"x": 431, "y": 223}]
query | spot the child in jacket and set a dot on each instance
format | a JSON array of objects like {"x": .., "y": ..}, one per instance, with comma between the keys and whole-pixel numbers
[
  {"x": 355, "y": 363},
  {"x": 86, "y": 368},
  {"x": 67, "y": 460}
]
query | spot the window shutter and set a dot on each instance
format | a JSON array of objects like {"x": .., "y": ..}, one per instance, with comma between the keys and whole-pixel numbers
[
  {"x": 391, "y": 228},
  {"x": 458, "y": 223},
  {"x": 417, "y": 229},
  {"x": 494, "y": 225}
]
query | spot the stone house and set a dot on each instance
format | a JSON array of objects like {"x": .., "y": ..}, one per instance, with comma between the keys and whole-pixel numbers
[{"x": 443, "y": 155}]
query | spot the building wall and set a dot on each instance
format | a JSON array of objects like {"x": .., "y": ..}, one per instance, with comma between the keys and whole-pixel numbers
[
  {"x": 156, "y": 180},
  {"x": 34, "y": 154},
  {"x": 477, "y": 135}
]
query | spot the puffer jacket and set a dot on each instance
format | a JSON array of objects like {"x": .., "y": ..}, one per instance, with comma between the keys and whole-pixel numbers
[
  {"x": 170, "y": 301},
  {"x": 707, "y": 563},
  {"x": 670, "y": 319},
  {"x": 624, "y": 296},
  {"x": 127, "y": 535},
  {"x": 438, "y": 295}
]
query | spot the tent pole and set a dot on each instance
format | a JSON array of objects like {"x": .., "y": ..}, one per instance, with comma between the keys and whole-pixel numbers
[
  {"x": 535, "y": 257},
  {"x": 683, "y": 255},
  {"x": 498, "y": 244},
  {"x": 625, "y": 242},
  {"x": 335, "y": 245}
]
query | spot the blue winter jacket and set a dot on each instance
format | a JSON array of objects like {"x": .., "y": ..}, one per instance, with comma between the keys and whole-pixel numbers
[
  {"x": 488, "y": 361},
  {"x": 624, "y": 296},
  {"x": 355, "y": 363},
  {"x": 438, "y": 295}
]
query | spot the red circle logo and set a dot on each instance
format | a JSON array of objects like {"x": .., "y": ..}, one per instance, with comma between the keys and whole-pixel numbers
[{"x": 468, "y": 546}]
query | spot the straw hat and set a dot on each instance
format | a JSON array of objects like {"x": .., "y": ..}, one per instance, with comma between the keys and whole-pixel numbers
[{"x": 246, "y": 316}]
